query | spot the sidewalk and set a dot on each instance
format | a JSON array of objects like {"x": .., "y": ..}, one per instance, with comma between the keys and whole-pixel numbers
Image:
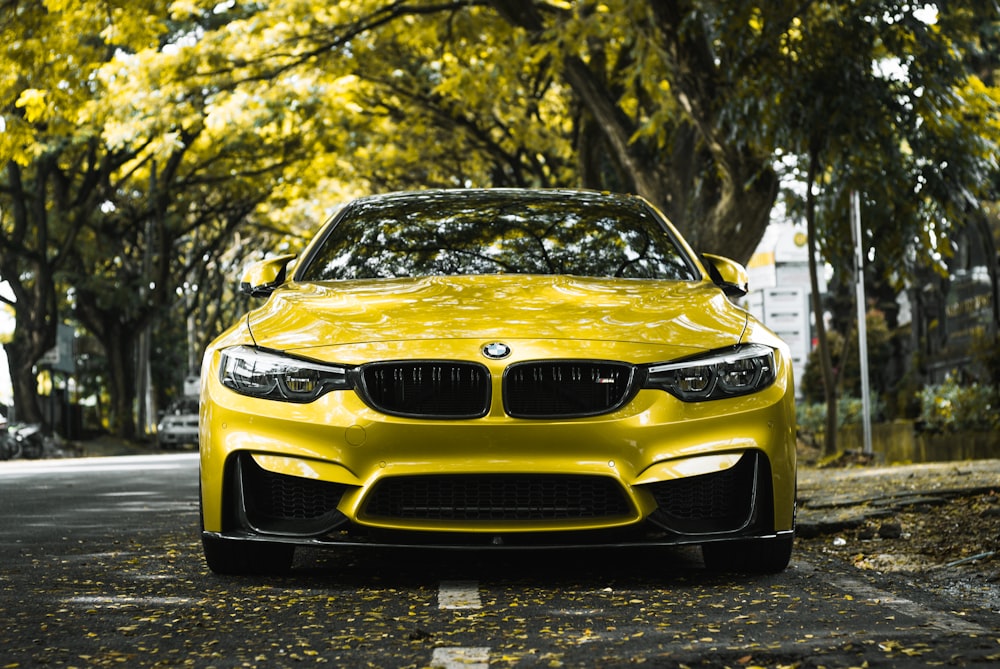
[
  {"x": 103, "y": 446},
  {"x": 110, "y": 446}
]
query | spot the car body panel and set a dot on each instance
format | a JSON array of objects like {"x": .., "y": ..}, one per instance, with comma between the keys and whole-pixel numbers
[{"x": 686, "y": 317}]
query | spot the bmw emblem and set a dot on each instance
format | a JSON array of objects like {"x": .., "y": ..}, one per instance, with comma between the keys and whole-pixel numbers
[{"x": 496, "y": 350}]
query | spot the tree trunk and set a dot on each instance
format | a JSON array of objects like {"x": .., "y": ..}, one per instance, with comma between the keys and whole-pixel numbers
[
  {"x": 21, "y": 364},
  {"x": 120, "y": 346},
  {"x": 28, "y": 270},
  {"x": 34, "y": 334},
  {"x": 826, "y": 363},
  {"x": 117, "y": 337}
]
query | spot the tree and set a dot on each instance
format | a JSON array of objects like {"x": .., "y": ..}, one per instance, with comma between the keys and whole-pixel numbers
[
  {"x": 630, "y": 96},
  {"x": 846, "y": 363},
  {"x": 51, "y": 161},
  {"x": 28, "y": 266},
  {"x": 884, "y": 105},
  {"x": 91, "y": 227},
  {"x": 659, "y": 82}
]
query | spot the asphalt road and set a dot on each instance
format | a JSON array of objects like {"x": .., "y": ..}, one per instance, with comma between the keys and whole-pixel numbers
[{"x": 100, "y": 565}]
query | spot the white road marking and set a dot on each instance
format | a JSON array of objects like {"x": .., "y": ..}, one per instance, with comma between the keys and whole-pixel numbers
[
  {"x": 460, "y": 658},
  {"x": 459, "y": 595},
  {"x": 98, "y": 601}
]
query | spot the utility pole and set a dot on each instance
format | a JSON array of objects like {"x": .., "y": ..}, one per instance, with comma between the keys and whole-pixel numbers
[
  {"x": 144, "y": 419},
  {"x": 859, "y": 283}
]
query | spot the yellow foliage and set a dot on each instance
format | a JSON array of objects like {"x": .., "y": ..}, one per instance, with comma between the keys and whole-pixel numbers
[
  {"x": 181, "y": 10},
  {"x": 435, "y": 99},
  {"x": 32, "y": 101}
]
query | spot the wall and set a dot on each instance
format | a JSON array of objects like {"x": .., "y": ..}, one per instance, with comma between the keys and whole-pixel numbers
[{"x": 899, "y": 442}]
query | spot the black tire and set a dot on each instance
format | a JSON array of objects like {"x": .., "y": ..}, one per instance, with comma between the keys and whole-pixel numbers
[
  {"x": 228, "y": 556},
  {"x": 756, "y": 556}
]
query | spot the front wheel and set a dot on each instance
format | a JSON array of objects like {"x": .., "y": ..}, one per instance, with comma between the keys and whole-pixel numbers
[
  {"x": 757, "y": 556},
  {"x": 228, "y": 556}
]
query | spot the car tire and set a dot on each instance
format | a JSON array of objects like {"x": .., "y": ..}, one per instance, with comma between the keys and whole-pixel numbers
[
  {"x": 226, "y": 556},
  {"x": 757, "y": 556}
]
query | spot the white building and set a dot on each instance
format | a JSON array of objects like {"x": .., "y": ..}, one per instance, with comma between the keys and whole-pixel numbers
[{"x": 780, "y": 293}]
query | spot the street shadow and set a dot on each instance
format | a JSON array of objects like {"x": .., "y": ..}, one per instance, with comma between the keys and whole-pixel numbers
[{"x": 615, "y": 567}]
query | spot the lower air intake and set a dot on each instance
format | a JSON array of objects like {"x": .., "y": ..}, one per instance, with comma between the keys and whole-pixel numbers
[
  {"x": 497, "y": 498},
  {"x": 280, "y": 504},
  {"x": 711, "y": 503}
]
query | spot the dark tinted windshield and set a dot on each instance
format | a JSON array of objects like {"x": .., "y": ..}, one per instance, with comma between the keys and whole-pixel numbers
[{"x": 490, "y": 232}]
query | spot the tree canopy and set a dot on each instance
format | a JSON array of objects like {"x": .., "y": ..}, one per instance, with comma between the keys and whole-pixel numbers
[{"x": 147, "y": 145}]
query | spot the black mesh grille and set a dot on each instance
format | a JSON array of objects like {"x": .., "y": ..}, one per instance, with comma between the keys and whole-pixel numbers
[
  {"x": 497, "y": 498},
  {"x": 281, "y": 503},
  {"x": 566, "y": 389},
  {"x": 429, "y": 389},
  {"x": 715, "y": 502}
]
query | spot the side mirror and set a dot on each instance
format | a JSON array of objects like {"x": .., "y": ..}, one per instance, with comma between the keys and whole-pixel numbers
[
  {"x": 261, "y": 278},
  {"x": 727, "y": 274}
]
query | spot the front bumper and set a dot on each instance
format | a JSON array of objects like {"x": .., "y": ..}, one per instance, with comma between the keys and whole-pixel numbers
[{"x": 497, "y": 511}]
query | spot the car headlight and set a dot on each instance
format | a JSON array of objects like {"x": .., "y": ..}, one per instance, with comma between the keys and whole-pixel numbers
[
  {"x": 731, "y": 373},
  {"x": 268, "y": 375}
]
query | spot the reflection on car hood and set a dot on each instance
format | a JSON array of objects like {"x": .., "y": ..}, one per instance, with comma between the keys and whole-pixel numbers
[{"x": 693, "y": 316}]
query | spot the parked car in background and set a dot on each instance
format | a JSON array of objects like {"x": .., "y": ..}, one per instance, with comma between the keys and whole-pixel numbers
[
  {"x": 497, "y": 369},
  {"x": 178, "y": 425}
]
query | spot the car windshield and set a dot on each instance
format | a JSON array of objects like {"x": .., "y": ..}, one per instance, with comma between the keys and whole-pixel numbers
[{"x": 496, "y": 232}]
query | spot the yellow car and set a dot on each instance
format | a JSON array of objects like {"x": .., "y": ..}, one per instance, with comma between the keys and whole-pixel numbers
[{"x": 497, "y": 368}]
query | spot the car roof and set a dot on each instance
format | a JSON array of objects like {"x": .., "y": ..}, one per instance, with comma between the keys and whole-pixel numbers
[{"x": 520, "y": 194}]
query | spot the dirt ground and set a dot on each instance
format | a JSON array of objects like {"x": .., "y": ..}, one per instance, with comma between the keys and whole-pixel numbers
[{"x": 936, "y": 524}]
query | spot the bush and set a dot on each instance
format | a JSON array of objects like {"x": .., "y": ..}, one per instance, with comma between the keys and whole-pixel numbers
[
  {"x": 954, "y": 407},
  {"x": 812, "y": 417}
]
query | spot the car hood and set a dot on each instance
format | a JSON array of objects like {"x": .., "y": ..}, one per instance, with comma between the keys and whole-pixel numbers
[{"x": 695, "y": 316}]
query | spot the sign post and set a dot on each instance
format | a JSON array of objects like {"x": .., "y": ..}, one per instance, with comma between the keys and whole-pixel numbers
[{"x": 859, "y": 279}]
